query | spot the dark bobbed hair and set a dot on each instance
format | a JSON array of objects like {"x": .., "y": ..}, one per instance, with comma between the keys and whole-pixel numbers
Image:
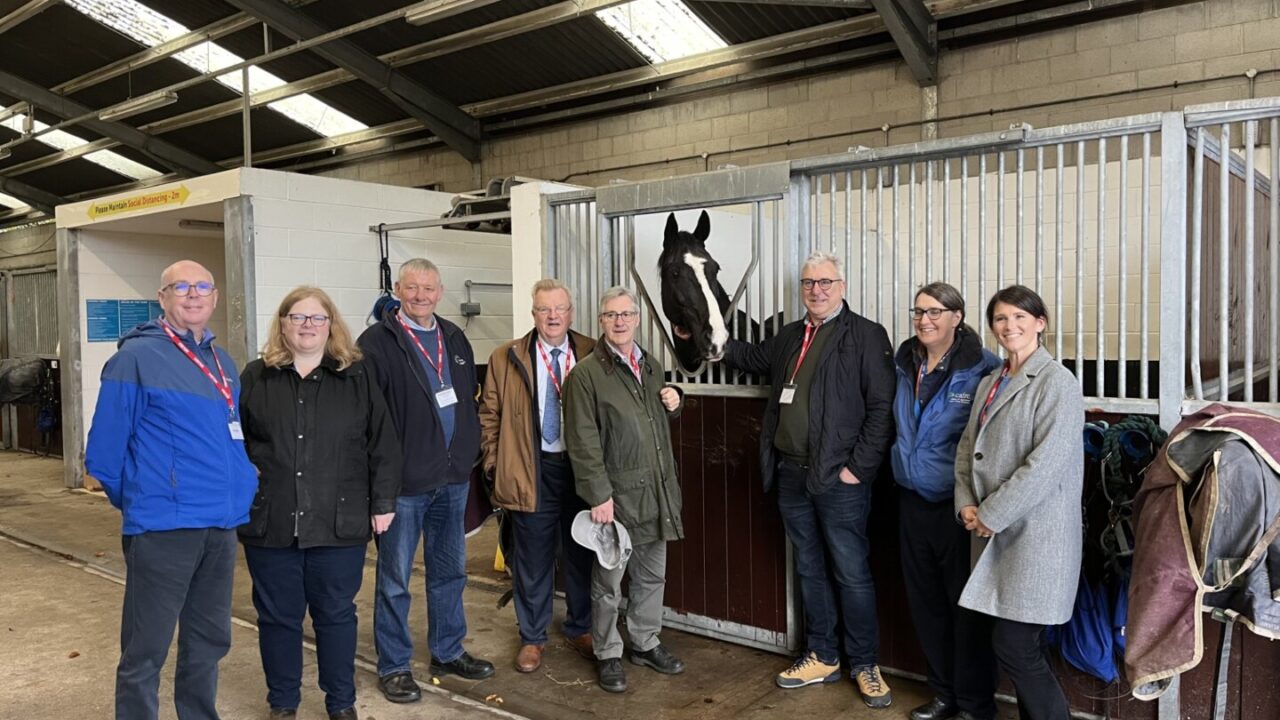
[{"x": 1021, "y": 297}]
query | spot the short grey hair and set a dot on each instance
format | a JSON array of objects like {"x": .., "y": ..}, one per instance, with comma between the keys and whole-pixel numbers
[
  {"x": 418, "y": 264},
  {"x": 550, "y": 285},
  {"x": 617, "y": 291},
  {"x": 822, "y": 258}
]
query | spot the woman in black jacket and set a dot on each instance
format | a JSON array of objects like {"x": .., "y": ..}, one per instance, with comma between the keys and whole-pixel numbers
[{"x": 328, "y": 459}]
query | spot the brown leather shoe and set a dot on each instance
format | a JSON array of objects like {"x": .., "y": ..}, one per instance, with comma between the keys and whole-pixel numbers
[
  {"x": 529, "y": 658},
  {"x": 584, "y": 646}
]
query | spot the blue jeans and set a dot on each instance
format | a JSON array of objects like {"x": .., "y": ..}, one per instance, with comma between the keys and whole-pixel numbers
[
  {"x": 539, "y": 537},
  {"x": 828, "y": 533},
  {"x": 436, "y": 517},
  {"x": 287, "y": 584},
  {"x": 182, "y": 578}
]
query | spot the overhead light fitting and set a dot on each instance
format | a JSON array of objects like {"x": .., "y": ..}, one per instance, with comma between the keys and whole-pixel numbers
[
  {"x": 212, "y": 225},
  {"x": 15, "y": 109},
  {"x": 434, "y": 10},
  {"x": 140, "y": 104},
  {"x": 5, "y": 152}
]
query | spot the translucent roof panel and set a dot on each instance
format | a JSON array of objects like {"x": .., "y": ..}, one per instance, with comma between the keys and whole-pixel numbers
[
  {"x": 150, "y": 28},
  {"x": 661, "y": 30},
  {"x": 62, "y": 140}
]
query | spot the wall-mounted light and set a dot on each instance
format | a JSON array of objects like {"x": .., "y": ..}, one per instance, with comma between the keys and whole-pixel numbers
[
  {"x": 140, "y": 104},
  {"x": 207, "y": 225},
  {"x": 434, "y": 10}
]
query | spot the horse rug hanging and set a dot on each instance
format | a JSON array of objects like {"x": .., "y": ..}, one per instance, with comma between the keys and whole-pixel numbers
[{"x": 1208, "y": 523}]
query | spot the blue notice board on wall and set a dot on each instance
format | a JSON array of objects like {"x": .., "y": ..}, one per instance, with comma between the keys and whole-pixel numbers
[{"x": 107, "y": 320}]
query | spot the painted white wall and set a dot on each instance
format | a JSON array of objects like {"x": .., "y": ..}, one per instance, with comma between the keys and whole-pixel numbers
[
  {"x": 127, "y": 266},
  {"x": 527, "y": 262},
  {"x": 311, "y": 230}
]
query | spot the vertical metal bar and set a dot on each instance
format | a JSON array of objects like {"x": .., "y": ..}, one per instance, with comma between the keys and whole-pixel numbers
[
  {"x": 1173, "y": 268},
  {"x": 799, "y": 219},
  {"x": 1040, "y": 219},
  {"x": 1144, "y": 304},
  {"x": 1000, "y": 171},
  {"x": 1100, "y": 337},
  {"x": 831, "y": 213},
  {"x": 928, "y": 223},
  {"x": 1197, "y": 241},
  {"x": 777, "y": 308},
  {"x": 1246, "y": 288},
  {"x": 862, "y": 231},
  {"x": 1273, "y": 307},
  {"x": 946, "y": 222},
  {"x": 1080, "y": 262},
  {"x": 246, "y": 122},
  {"x": 893, "y": 247},
  {"x": 911, "y": 241},
  {"x": 982, "y": 228},
  {"x": 964, "y": 233},
  {"x": 1224, "y": 263},
  {"x": 881, "y": 239},
  {"x": 1019, "y": 211},
  {"x": 1060, "y": 236},
  {"x": 1123, "y": 237},
  {"x": 848, "y": 227}
]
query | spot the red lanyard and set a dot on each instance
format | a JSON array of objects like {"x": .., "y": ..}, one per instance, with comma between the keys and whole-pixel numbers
[
  {"x": 991, "y": 395},
  {"x": 920, "y": 376},
  {"x": 568, "y": 363},
  {"x": 635, "y": 366},
  {"x": 810, "y": 332},
  {"x": 438, "y": 365},
  {"x": 224, "y": 387}
]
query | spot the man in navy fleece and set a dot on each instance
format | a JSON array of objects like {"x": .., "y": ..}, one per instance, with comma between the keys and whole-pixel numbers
[{"x": 167, "y": 448}]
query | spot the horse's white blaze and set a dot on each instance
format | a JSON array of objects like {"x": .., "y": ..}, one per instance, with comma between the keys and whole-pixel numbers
[{"x": 719, "y": 334}]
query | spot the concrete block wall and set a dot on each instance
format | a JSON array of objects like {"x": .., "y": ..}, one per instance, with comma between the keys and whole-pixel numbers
[
  {"x": 28, "y": 247},
  {"x": 315, "y": 231},
  {"x": 1098, "y": 70}
]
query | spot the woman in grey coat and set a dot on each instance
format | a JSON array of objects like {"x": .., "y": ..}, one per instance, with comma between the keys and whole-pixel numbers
[{"x": 1019, "y": 473}]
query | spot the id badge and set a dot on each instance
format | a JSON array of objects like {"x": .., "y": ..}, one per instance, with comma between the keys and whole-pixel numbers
[
  {"x": 446, "y": 397},
  {"x": 788, "y": 394},
  {"x": 236, "y": 432}
]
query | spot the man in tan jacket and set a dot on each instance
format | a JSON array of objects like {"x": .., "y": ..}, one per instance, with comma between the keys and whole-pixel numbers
[{"x": 525, "y": 459}]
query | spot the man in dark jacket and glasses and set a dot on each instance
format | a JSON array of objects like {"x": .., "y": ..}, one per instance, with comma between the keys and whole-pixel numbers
[{"x": 827, "y": 428}]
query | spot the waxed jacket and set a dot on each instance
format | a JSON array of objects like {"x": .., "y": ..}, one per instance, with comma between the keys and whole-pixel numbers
[{"x": 618, "y": 435}]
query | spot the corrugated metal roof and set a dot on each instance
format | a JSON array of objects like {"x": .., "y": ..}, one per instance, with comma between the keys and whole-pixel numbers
[{"x": 744, "y": 22}]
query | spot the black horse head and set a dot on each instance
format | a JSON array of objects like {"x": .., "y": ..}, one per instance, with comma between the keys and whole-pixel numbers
[{"x": 692, "y": 298}]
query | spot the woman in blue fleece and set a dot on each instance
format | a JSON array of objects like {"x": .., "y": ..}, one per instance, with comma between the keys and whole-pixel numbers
[{"x": 938, "y": 370}]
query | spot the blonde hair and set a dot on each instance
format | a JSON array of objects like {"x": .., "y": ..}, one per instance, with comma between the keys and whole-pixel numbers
[
  {"x": 549, "y": 285},
  {"x": 339, "y": 346}
]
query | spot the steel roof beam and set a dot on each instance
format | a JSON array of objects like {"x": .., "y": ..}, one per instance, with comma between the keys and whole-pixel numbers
[
  {"x": 161, "y": 151},
  {"x": 458, "y": 130},
  {"x": 916, "y": 33},
  {"x": 25, "y": 13},
  {"x": 39, "y": 199},
  {"x": 848, "y": 4}
]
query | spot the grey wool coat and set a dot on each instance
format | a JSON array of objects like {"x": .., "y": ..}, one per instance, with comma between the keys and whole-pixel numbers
[{"x": 1024, "y": 470}]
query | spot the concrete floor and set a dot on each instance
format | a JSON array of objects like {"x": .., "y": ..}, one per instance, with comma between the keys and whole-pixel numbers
[{"x": 61, "y": 568}]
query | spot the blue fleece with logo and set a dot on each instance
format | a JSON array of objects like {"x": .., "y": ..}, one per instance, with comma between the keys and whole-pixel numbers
[
  {"x": 924, "y": 456},
  {"x": 160, "y": 442}
]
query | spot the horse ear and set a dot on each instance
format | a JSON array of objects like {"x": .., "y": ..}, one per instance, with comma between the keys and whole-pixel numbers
[
  {"x": 703, "y": 231},
  {"x": 672, "y": 231}
]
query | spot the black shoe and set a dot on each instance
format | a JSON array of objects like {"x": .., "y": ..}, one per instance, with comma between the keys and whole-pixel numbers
[
  {"x": 283, "y": 713},
  {"x": 348, "y": 714},
  {"x": 612, "y": 677},
  {"x": 935, "y": 709},
  {"x": 659, "y": 659},
  {"x": 400, "y": 688},
  {"x": 465, "y": 667}
]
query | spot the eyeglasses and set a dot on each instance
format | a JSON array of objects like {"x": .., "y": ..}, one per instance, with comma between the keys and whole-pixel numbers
[
  {"x": 824, "y": 283},
  {"x": 300, "y": 319},
  {"x": 933, "y": 313},
  {"x": 559, "y": 310},
  {"x": 182, "y": 288},
  {"x": 610, "y": 316}
]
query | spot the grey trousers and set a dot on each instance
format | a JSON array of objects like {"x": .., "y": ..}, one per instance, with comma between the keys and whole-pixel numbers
[{"x": 647, "y": 569}]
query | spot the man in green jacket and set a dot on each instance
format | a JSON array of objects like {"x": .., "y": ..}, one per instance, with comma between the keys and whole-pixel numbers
[{"x": 618, "y": 435}]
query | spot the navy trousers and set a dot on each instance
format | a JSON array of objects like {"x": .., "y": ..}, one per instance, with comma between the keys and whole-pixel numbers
[
  {"x": 287, "y": 584},
  {"x": 176, "y": 578},
  {"x": 540, "y": 537}
]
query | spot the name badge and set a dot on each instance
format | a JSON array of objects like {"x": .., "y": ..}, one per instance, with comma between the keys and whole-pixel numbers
[
  {"x": 788, "y": 394},
  {"x": 446, "y": 397},
  {"x": 236, "y": 432}
]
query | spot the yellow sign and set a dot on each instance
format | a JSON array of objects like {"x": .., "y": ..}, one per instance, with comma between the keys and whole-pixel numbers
[{"x": 175, "y": 196}]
